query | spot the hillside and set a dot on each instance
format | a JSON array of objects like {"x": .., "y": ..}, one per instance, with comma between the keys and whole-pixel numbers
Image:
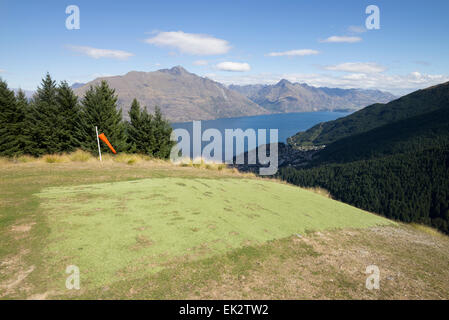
[
  {"x": 152, "y": 230},
  {"x": 413, "y": 134},
  {"x": 181, "y": 95},
  {"x": 299, "y": 97},
  {"x": 399, "y": 168},
  {"x": 409, "y": 187},
  {"x": 373, "y": 116}
]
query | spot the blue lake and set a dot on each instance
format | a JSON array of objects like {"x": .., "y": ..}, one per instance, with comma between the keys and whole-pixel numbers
[{"x": 287, "y": 123}]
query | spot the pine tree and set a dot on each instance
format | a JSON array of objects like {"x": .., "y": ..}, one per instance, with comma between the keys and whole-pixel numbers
[
  {"x": 14, "y": 139},
  {"x": 132, "y": 132},
  {"x": 140, "y": 130},
  {"x": 44, "y": 119},
  {"x": 24, "y": 133},
  {"x": 69, "y": 113},
  {"x": 99, "y": 108},
  {"x": 162, "y": 133}
]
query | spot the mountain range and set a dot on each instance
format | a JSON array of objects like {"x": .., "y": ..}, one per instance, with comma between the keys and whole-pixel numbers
[
  {"x": 184, "y": 96},
  {"x": 286, "y": 96},
  {"x": 181, "y": 95}
]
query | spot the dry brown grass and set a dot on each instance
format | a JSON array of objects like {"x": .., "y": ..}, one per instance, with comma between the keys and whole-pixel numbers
[
  {"x": 332, "y": 265},
  {"x": 429, "y": 230},
  {"x": 55, "y": 158},
  {"x": 321, "y": 191},
  {"x": 81, "y": 156},
  {"x": 320, "y": 265},
  {"x": 22, "y": 159},
  {"x": 201, "y": 163},
  {"x": 4, "y": 161}
]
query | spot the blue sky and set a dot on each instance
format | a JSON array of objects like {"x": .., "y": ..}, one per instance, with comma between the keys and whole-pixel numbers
[{"x": 238, "y": 42}]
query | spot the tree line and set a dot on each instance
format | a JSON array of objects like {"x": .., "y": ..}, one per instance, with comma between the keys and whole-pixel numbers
[{"x": 54, "y": 121}]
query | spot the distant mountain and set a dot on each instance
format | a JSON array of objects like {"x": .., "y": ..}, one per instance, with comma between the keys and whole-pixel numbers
[
  {"x": 376, "y": 115},
  {"x": 286, "y": 96},
  {"x": 184, "y": 96},
  {"x": 181, "y": 95},
  {"x": 77, "y": 85},
  {"x": 249, "y": 90}
]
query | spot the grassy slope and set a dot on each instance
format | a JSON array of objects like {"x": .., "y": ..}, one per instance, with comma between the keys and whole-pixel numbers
[{"x": 32, "y": 227}]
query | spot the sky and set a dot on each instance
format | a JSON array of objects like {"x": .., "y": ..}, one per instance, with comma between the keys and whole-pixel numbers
[{"x": 321, "y": 43}]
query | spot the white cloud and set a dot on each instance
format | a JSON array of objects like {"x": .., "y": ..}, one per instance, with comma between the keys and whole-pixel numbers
[
  {"x": 190, "y": 43},
  {"x": 396, "y": 84},
  {"x": 1, "y": 70},
  {"x": 342, "y": 39},
  {"x": 233, "y": 66},
  {"x": 290, "y": 53},
  {"x": 357, "y": 29},
  {"x": 101, "y": 53},
  {"x": 200, "y": 62},
  {"x": 357, "y": 67}
]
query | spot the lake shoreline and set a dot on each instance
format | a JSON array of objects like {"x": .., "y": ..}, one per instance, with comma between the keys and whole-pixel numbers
[{"x": 287, "y": 124}]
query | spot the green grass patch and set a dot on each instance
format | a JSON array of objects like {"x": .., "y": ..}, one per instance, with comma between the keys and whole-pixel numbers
[{"x": 127, "y": 229}]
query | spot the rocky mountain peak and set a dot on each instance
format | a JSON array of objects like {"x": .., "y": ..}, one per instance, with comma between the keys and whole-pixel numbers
[
  {"x": 283, "y": 83},
  {"x": 177, "y": 70}
]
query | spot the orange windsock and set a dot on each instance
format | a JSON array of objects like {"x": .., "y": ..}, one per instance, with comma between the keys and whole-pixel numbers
[{"x": 105, "y": 140}]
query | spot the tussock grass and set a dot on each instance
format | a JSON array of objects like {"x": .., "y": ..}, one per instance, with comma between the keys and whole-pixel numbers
[
  {"x": 125, "y": 158},
  {"x": 321, "y": 191},
  {"x": 86, "y": 160},
  {"x": 426, "y": 229},
  {"x": 80, "y": 156},
  {"x": 128, "y": 158},
  {"x": 201, "y": 163},
  {"x": 55, "y": 158},
  {"x": 23, "y": 159}
]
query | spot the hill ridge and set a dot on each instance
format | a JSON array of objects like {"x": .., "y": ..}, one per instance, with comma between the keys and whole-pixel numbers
[{"x": 375, "y": 115}]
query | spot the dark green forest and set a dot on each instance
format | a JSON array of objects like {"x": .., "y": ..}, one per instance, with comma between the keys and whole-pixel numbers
[
  {"x": 407, "y": 187},
  {"x": 55, "y": 121},
  {"x": 390, "y": 159},
  {"x": 410, "y": 135}
]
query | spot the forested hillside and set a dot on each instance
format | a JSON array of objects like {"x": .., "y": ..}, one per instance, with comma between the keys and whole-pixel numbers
[
  {"x": 376, "y": 115},
  {"x": 409, "y": 135},
  {"x": 411, "y": 187},
  {"x": 390, "y": 159}
]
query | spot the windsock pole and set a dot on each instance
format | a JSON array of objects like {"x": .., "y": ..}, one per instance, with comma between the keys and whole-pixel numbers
[{"x": 98, "y": 142}]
